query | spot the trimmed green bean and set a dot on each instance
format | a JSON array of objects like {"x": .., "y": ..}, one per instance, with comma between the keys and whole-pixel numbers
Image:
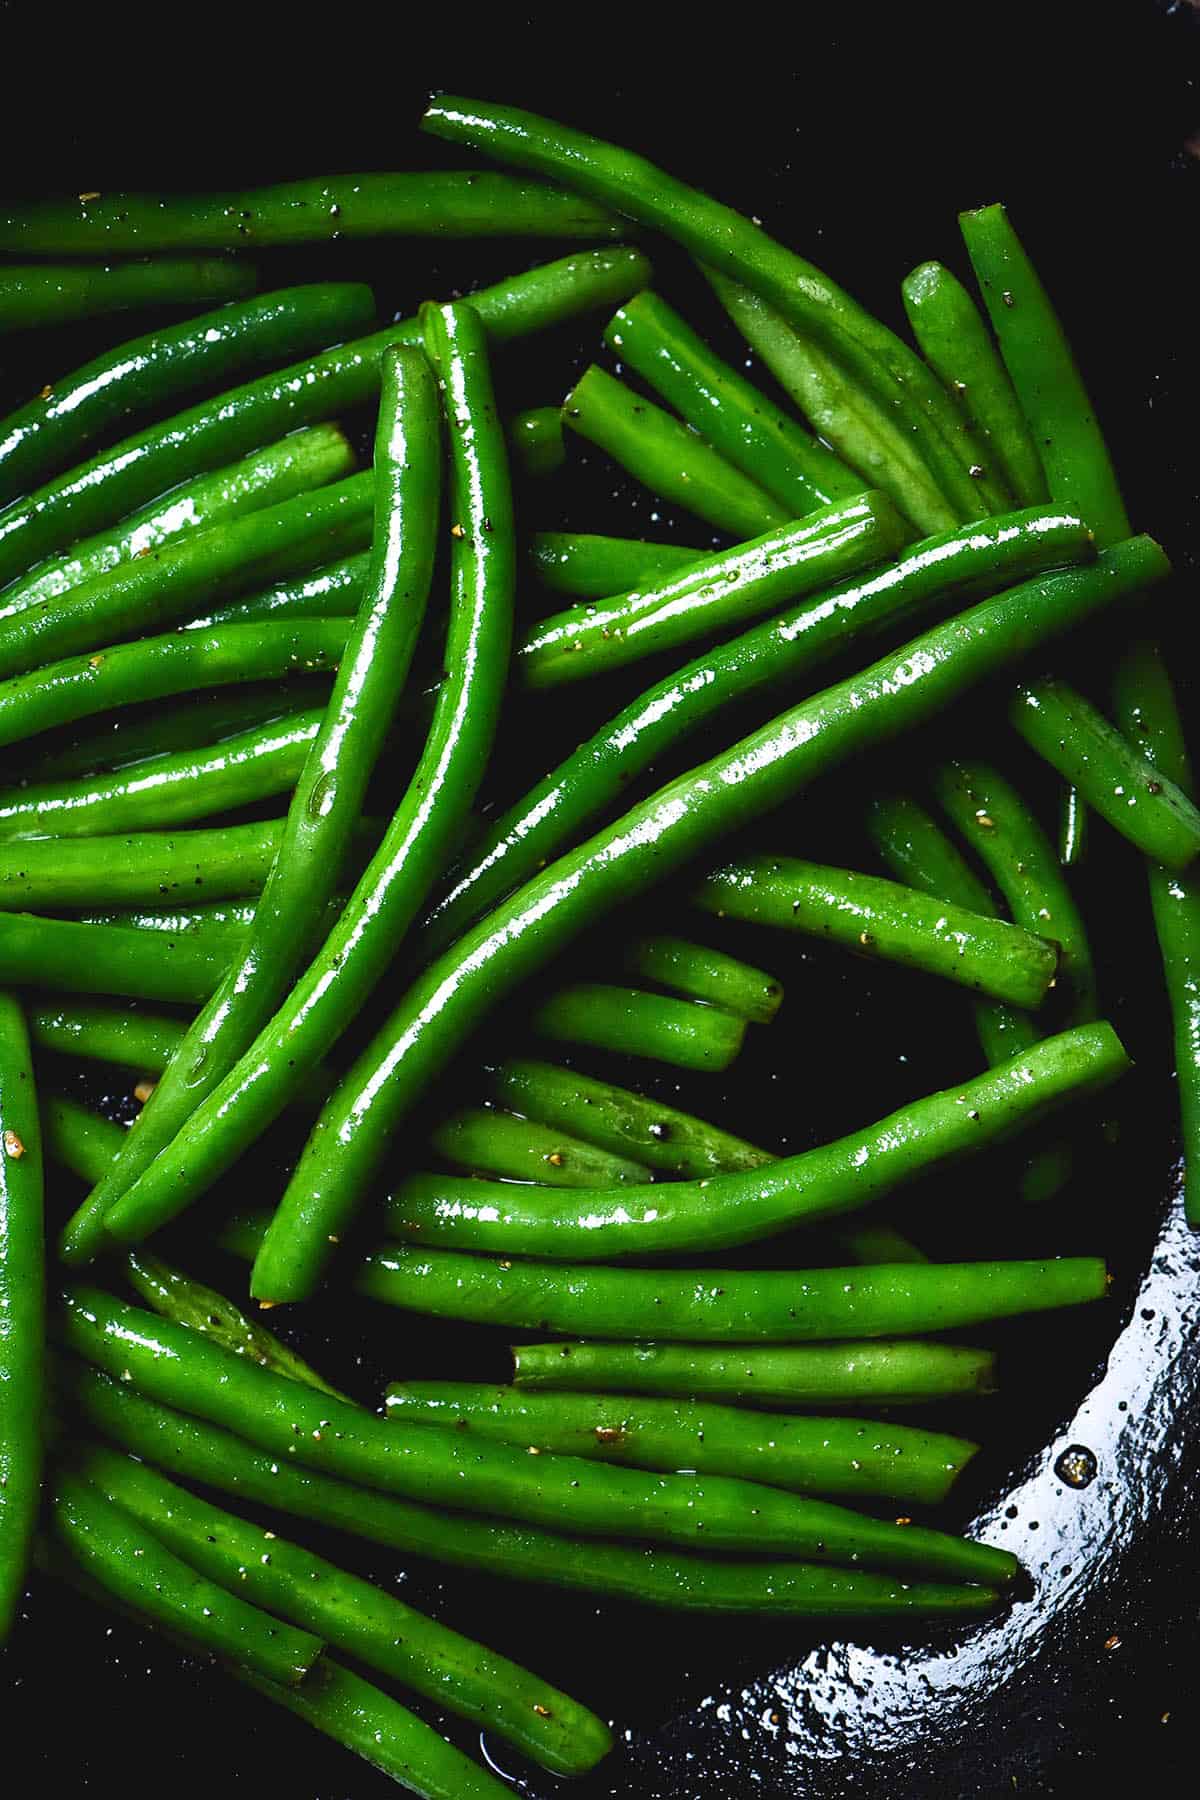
[
  {"x": 727, "y": 410},
  {"x": 877, "y": 918},
  {"x": 700, "y": 973},
  {"x": 146, "y": 867},
  {"x": 852, "y": 1459},
  {"x": 104, "y": 959},
  {"x": 592, "y": 567},
  {"x": 535, "y": 442},
  {"x": 595, "y": 1015},
  {"x": 898, "y": 1373},
  {"x": 670, "y": 460},
  {"x": 688, "y": 1218},
  {"x": 333, "y": 592},
  {"x": 40, "y": 294},
  {"x": 486, "y": 1141},
  {"x": 722, "y": 591},
  {"x": 22, "y": 1309},
  {"x": 956, "y": 343}
]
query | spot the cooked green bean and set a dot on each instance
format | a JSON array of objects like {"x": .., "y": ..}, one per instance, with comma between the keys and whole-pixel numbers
[
  {"x": 775, "y": 654},
  {"x": 877, "y": 918},
  {"x": 1124, "y": 787},
  {"x": 104, "y": 959},
  {"x": 321, "y": 387},
  {"x": 728, "y": 411},
  {"x": 682, "y": 1217},
  {"x": 700, "y": 973},
  {"x": 172, "y": 1364},
  {"x": 80, "y": 1140},
  {"x": 333, "y": 592},
  {"x": 852, "y": 1459},
  {"x": 535, "y": 441},
  {"x": 220, "y": 920},
  {"x": 592, "y": 567},
  {"x": 40, "y": 294},
  {"x": 955, "y": 342},
  {"x": 668, "y": 458},
  {"x": 140, "y": 869},
  {"x": 595, "y": 1015},
  {"x": 22, "y": 1309},
  {"x": 486, "y": 1141},
  {"x": 868, "y": 1374}
]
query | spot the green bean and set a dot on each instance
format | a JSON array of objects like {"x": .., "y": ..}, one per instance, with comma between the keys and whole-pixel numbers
[
  {"x": 22, "y": 1309},
  {"x": 641, "y": 848},
  {"x": 306, "y": 460},
  {"x": 350, "y": 1614},
  {"x": 146, "y": 867},
  {"x": 1022, "y": 862},
  {"x": 169, "y": 790},
  {"x": 333, "y": 592},
  {"x": 872, "y": 354},
  {"x": 700, "y": 973},
  {"x": 852, "y": 1459},
  {"x": 114, "y": 1549},
  {"x": 82, "y": 1141},
  {"x": 1072, "y": 828},
  {"x": 668, "y": 458},
  {"x": 866, "y": 1374},
  {"x": 162, "y": 587},
  {"x": 190, "y": 1448},
  {"x": 877, "y": 918},
  {"x": 330, "y": 788},
  {"x": 535, "y": 441},
  {"x": 776, "y": 654},
  {"x": 149, "y": 372},
  {"x": 172, "y": 1364},
  {"x": 486, "y": 1141},
  {"x": 865, "y": 433},
  {"x": 739, "y": 1208},
  {"x": 726, "y": 409},
  {"x": 593, "y": 567},
  {"x": 221, "y": 921},
  {"x": 104, "y": 959},
  {"x": 320, "y": 209},
  {"x": 322, "y": 387},
  {"x": 958, "y": 346},
  {"x": 595, "y": 1015},
  {"x": 717, "y": 594},
  {"x": 1109, "y": 773},
  {"x": 39, "y": 294}
]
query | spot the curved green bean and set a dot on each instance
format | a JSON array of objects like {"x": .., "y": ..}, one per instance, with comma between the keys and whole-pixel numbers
[
  {"x": 700, "y": 973},
  {"x": 105, "y": 959},
  {"x": 535, "y": 441},
  {"x": 596, "y": 1015},
  {"x": 486, "y": 1141},
  {"x": 592, "y": 567},
  {"x": 22, "y": 1309},
  {"x": 40, "y": 294},
  {"x": 146, "y": 867}
]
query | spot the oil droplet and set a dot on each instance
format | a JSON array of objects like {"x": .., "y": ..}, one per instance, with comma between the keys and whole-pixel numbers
[
  {"x": 321, "y": 795},
  {"x": 196, "y": 1073},
  {"x": 1077, "y": 1466}
]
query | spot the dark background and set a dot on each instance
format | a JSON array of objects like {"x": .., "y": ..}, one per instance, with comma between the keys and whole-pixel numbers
[{"x": 856, "y": 136}]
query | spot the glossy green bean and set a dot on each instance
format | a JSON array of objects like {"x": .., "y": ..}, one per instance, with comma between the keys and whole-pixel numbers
[
  {"x": 592, "y": 567},
  {"x": 333, "y": 592},
  {"x": 852, "y": 1459},
  {"x": 898, "y": 1373},
  {"x": 1072, "y": 828},
  {"x": 321, "y": 387},
  {"x": 721, "y": 592},
  {"x": 104, "y": 959},
  {"x": 1111, "y": 775},
  {"x": 146, "y": 867},
  {"x": 596, "y": 1015},
  {"x": 700, "y": 973},
  {"x": 22, "y": 1309},
  {"x": 535, "y": 442},
  {"x": 41, "y": 294},
  {"x": 775, "y": 654},
  {"x": 728, "y": 411},
  {"x": 667, "y": 458},
  {"x": 92, "y": 1032},
  {"x": 877, "y": 918},
  {"x": 174, "y": 1365},
  {"x": 82, "y": 1141},
  {"x": 810, "y": 301},
  {"x": 689, "y": 1217},
  {"x": 486, "y": 1141},
  {"x": 955, "y": 342}
]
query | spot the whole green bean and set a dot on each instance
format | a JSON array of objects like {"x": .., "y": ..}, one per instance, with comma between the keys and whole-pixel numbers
[
  {"x": 595, "y": 1015},
  {"x": 321, "y": 387},
  {"x": 535, "y": 441},
  {"x": 486, "y": 1141},
  {"x": 146, "y": 867},
  {"x": 689, "y": 1217},
  {"x": 190, "y": 1448},
  {"x": 172, "y": 1364},
  {"x": 643, "y": 847},
  {"x": 104, "y": 959},
  {"x": 149, "y": 372},
  {"x": 701, "y": 973},
  {"x": 853, "y": 1459},
  {"x": 956, "y": 343},
  {"x": 39, "y": 294},
  {"x": 22, "y": 1309},
  {"x": 330, "y": 788},
  {"x": 351, "y": 1614},
  {"x": 333, "y": 592},
  {"x": 873, "y": 355},
  {"x": 592, "y": 567},
  {"x": 727, "y": 410},
  {"x": 878, "y": 918},
  {"x": 777, "y": 653},
  {"x": 898, "y": 1373},
  {"x": 129, "y": 1562},
  {"x": 169, "y": 790},
  {"x": 1110, "y": 774},
  {"x": 668, "y": 458}
]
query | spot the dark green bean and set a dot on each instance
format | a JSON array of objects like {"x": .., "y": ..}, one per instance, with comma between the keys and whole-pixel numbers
[
  {"x": 595, "y": 1015},
  {"x": 80, "y": 1140},
  {"x": 146, "y": 867},
  {"x": 39, "y": 294},
  {"x": 486, "y": 1141},
  {"x": 592, "y": 567},
  {"x": 22, "y": 1309},
  {"x": 104, "y": 959},
  {"x": 535, "y": 441},
  {"x": 700, "y": 973}
]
